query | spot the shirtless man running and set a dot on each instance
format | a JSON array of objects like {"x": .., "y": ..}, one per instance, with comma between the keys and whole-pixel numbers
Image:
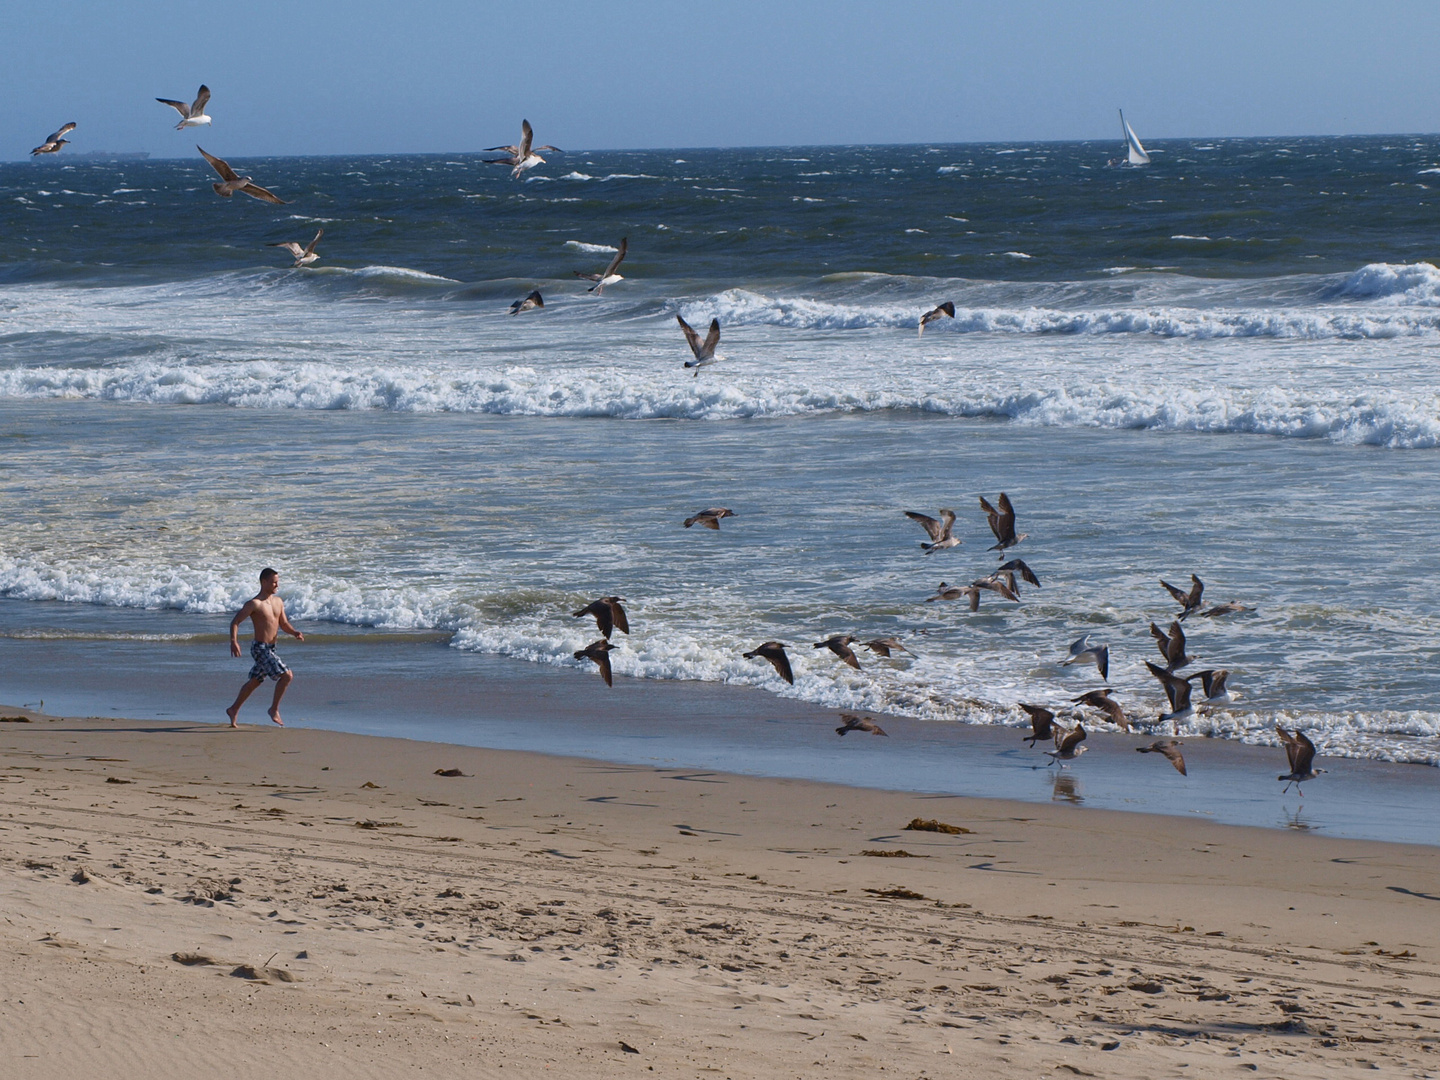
[{"x": 267, "y": 612}]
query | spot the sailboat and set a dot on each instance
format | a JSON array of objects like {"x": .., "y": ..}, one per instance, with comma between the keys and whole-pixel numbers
[{"x": 1134, "y": 153}]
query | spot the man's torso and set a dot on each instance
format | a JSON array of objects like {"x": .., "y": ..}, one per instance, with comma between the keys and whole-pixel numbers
[{"x": 265, "y": 617}]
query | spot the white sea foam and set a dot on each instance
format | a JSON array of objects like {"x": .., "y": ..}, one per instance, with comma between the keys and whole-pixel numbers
[
  {"x": 1416, "y": 284},
  {"x": 596, "y": 249}
]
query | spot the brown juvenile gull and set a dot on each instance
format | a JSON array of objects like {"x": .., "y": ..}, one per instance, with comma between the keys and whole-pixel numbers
[
  {"x": 1082, "y": 650},
  {"x": 190, "y": 115},
  {"x": 599, "y": 651},
  {"x": 1101, "y": 699},
  {"x": 939, "y": 531},
  {"x": 53, "y": 142},
  {"x": 608, "y": 276},
  {"x": 885, "y": 646},
  {"x": 704, "y": 350},
  {"x": 1067, "y": 744},
  {"x": 303, "y": 256},
  {"x": 1019, "y": 566},
  {"x": 1168, "y": 747},
  {"x": 840, "y": 646},
  {"x": 1189, "y": 601},
  {"x": 1233, "y": 607},
  {"x": 1042, "y": 722},
  {"x": 1178, "y": 690},
  {"x": 1301, "y": 752},
  {"x": 521, "y": 157},
  {"x": 859, "y": 723},
  {"x": 997, "y": 584},
  {"x": 530, "y": 303},
  {"x": 1171, "y": 645},
  {"x": 944, "y": 311},
  {"x": 773, "y": 651},
  {"x": 609, "y": 615},
  {"x": 1212, "y": 682},
  {"x": 710, "y": 518},
  {"x": 955, "y": 592},
  {"x": 234, "y": 183},
  {"x": 1002, "y": 523}
]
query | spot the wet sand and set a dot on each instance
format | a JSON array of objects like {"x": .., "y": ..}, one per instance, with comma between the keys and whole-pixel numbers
[{"x": 325, "y": 903}]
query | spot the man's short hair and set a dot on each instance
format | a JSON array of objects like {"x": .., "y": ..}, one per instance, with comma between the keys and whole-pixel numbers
[{"x": 269, "y": 572}]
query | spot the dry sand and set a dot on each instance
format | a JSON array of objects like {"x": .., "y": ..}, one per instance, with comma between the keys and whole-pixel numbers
[{"x": 180, "y": 899}]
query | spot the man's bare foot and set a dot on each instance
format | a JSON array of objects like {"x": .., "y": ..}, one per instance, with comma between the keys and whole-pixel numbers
[
  {"x": 232, "y": 712},
  {"x": 275, "y": 716}
]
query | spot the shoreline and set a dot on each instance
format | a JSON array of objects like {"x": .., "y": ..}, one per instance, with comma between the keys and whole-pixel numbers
[
  {"x": 538, "y": 911},
  {"x": 415, "y": 686}
]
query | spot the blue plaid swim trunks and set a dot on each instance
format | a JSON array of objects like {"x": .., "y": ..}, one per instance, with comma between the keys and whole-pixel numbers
[{"x": 267, "y": 661}]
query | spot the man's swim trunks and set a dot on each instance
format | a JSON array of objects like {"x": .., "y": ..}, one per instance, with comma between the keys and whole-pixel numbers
[{"x": 267, "y": 661}]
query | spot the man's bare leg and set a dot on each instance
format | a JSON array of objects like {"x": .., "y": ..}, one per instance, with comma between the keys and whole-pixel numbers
[
  {"x": 245, "y": 691},
  {"x": 281, "y": 685}
]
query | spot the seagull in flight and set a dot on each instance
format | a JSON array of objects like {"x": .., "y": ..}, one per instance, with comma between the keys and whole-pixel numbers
[
  {"x": 530, "y": 303},
  {"x": 885, "y": 646},
  {"x": 840, "y": 646},
  {"x": 1212, "y": 682},
  {"x": 1168, "y": 747},
  {"x": 940, "y": 531},
  {"x": 1042, "y": 723},
  {"x": 859, "y": 723},
  {"x": 774, "y": 652},
  {"x": 234, "y": 183},
  {"x": 710, "y": 518},
  {"x": 609, "y": 276},
  {"x": 1067, "y": 744},
  {"x": 704, "y": 350},
  {"x": 303, "y": 256},
  {"x": 1189, "y": 601},
  {"x": 609, "y": 615},
  {"x": 522, "y": 157},
  {"x": 1301, "y": 752},
  {"x": 1101, "y": 699},
  {"x": 1171, "y": 645},
  {"x": 598, "y": 651},
  {"x": 1082, "y": 650},
  {"x": 944, "y": 311},
  {"x": 53, "y": 143},
  {"x": 190, "y": 115},
  {"x": 1178, "y": 690},
  {"x": 1002, "y": 523}
]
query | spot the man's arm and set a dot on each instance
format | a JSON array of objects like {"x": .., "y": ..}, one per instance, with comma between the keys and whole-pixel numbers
[
  {"x": 240, "y": 616},
  {"x": 285, "y": 624}
]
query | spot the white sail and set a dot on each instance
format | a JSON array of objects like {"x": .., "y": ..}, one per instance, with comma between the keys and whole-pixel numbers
[{"x": 1134, "y": 152}]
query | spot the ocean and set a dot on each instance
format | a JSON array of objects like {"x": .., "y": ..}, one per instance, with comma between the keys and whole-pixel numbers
[{"x": 1223, "y": 363}]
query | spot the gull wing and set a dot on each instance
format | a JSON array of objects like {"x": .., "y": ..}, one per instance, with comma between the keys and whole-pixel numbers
[
  {"x": 1070, "y": 739},
  {"x": 1292, "y": 745},
  {"x": 202, "y": 96},
  {"x": 604, "y": 622},
  {"x": 62, "y": 132},
  {"x": 527, "y": 135},
  {"x": 1025, "y": 572},
  {"x": 556, "y": 149},
  {"x": 602, "y": 659},
  {"x": 619, "y": 257},
  {"x": 1007, "y": 516},
  {"x": 1175, "y": 758},
  {"x": 1304, "y": 754},
  {"x": 1197, "y": 590},
  {"x": 690, "y": 336},
  {"x": 290, "y": 246},
  {"x": 712, "y": 339},
  {"x": 617, "y": 613},
  {"x": 935, "y": 528},
  {"x": 178, "y": 106},
  {"x": 1177, "y": 642},
  {"x": 993, "y": 515},
  {"x": 220, "y": 165},
  {"x": 1171, "y": 683},
  {"x": 1162, "y": 640},
  {"x": 255, "y": 191},
  {"x": 1181, "y": 597},
  {"x": 1041, "y": 720},
  {"x": 310, "y": 249}
]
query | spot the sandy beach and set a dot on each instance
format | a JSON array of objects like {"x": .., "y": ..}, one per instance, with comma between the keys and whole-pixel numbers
[{"x": 180, "y": 896}]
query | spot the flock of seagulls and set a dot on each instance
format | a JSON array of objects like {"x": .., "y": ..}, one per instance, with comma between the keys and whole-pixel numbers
[
  {"x": 1061, "y": 728},
  {"x": 1004, "y": 582}
]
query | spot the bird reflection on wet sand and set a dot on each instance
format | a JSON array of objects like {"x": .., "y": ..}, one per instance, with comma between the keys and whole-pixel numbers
[{"x": 1067, "y": 789}]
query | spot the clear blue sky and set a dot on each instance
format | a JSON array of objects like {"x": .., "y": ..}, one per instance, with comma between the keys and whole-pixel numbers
[{"x": 365, "y": 76}]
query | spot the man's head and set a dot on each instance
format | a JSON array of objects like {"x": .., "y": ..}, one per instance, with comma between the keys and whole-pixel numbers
[{"x": 269, "y": 578}]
